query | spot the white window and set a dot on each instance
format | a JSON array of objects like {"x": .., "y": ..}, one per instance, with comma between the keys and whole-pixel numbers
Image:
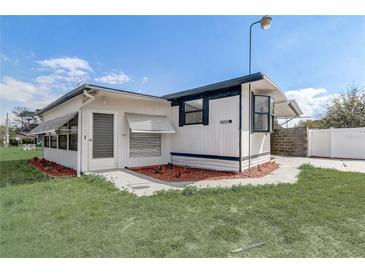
[
  {"x": 261, "y": 113},
  {"x": 193, "y": 112}
]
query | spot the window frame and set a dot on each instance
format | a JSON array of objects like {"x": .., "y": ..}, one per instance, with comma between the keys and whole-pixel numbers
[
  {"x": 268, "y": 114},
  {"x": 47, "y": 144},
  {"x": 204, "y": 111},
  {"x": 194, "y": 111},
  {"x": 69, "y": 141},
  {"x": 56, "y": 136},
  {"x": 58, "y": 141}
]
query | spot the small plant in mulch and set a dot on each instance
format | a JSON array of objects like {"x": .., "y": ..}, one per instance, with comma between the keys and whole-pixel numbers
[
  {"x": 259, "y": 168},
  {"x": 158, "y": 170},
  {"x": 177, "y": 174}
]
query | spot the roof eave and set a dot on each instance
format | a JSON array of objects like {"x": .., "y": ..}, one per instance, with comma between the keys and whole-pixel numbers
[{"x": 216, "y": 86}]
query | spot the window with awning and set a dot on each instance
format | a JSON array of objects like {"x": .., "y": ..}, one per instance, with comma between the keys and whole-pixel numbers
[
  {"x": 58, "y": 124},
  {"x": 143, "y": 123}
]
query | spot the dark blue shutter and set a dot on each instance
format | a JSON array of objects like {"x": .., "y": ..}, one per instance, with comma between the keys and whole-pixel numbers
[
  {"x": 205, "y": 111},
  {"x": 181, "y": 114}
]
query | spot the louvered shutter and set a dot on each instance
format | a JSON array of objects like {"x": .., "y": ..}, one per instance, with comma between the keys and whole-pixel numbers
[
  {"x": 144, "y": 145},
  {"x": 103, "y": 135}
]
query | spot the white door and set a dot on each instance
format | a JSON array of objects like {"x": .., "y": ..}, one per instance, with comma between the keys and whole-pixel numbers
[{"x": 102, "y": 144}]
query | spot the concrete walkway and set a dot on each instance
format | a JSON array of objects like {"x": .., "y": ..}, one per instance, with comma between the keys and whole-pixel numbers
[
  {"x": 136, "y": 183},
  {"x": 338, "y": 164},
  {"x": 288, "y": 171}
]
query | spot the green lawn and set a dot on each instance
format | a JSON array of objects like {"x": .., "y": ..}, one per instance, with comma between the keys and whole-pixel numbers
[{"x": 323, "y": 215}]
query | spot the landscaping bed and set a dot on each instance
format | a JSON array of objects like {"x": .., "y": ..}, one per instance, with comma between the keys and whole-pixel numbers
[
  {"x": 174, "y": 173},
  {"x": 52, "y": 168}
]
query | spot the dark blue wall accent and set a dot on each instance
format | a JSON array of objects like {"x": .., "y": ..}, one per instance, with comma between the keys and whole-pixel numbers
[
  {"x": 218, "y": 157},
  {"x": 206, "y": 156},
  {"x": 217, "y": 94},
  {"x": 181, "y": 114},
  {"x": 205, "y": 111}
]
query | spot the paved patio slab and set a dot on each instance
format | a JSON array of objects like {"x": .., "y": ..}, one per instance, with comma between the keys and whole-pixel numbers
[{"x": 142, "y": 185}]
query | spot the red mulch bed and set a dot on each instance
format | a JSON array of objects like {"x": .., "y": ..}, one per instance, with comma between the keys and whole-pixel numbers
[
  {"x": 52, "y": 168},
  {"x": 173, "y": 173}
]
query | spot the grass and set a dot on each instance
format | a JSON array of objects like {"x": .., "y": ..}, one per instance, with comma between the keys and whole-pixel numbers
[
  {"x": 14, "y": 169},
  {"x": 323, "y": 215}
]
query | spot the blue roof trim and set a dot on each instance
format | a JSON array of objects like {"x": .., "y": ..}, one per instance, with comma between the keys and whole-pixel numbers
[{"x": 216, "y": 86}]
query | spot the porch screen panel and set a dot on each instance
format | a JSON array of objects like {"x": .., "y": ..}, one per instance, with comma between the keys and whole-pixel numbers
[
  {"x": 145, "y": 144},
  {"x": 103, "y": 135}
]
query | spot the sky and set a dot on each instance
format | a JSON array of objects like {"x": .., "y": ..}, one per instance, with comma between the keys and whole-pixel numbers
[{"x": 312, "y": 58}]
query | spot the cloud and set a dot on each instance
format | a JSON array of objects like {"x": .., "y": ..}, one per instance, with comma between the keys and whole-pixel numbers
[
  {"x": 55, "y": 75},
  {"x": 113, "y": 78},
  {"x": 24, "y": 93},
  {"x": 145, "y": 80},
  {"x": 66, "y": 63},
  {"x": 312, "y": 101},
  {"x": 64, "y": 71},
  {"x": 6, "y": 59}
]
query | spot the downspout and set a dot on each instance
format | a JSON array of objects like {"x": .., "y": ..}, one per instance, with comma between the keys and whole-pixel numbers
[
  {"x": 79, "y": 151},
  {"x": 249, "y": 125},
  {"x": 240, "y": 132}
]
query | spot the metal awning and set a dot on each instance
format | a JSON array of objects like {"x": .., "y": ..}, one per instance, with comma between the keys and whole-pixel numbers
[
  {"x": 53, "y": 125},
  {"x": 287, "y": 109},
  {"x": 143, "y": 123}
]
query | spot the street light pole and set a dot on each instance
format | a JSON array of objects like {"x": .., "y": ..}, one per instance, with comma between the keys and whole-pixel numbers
[{"x": 265, "y": 23}]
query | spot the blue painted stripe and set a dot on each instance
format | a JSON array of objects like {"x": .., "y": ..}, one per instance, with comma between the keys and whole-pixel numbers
[
  {"x": 206, "y": 156},
  {"x": 217, "y": 157}
]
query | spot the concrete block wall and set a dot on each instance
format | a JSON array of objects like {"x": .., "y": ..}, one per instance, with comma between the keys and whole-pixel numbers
[{"x": 289, "y": 141}]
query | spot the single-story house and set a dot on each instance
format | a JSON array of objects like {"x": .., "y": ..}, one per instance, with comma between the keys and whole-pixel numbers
[{"x": 215, "y": 126}]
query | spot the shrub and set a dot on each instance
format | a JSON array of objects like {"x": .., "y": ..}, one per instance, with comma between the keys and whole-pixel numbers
[
  {"x": 13, "y": 142},
  {"x": 27, "y": 140}
]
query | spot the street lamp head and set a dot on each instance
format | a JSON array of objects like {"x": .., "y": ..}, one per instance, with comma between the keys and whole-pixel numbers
[{"x": 265, "y": 22}]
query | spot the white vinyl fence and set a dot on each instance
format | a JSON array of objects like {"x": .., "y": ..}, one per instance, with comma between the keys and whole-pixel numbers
[{"x": 337, "y": 143}]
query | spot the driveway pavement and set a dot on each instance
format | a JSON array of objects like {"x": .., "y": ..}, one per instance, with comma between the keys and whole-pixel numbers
[{"x": 288, "y": 171}]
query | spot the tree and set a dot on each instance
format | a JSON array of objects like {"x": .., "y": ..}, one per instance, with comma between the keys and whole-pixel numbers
[
  {"x": 346, "y": 110},
  {"x": 3, "y": 133},
  {"x": 310, "y": 123},
  {"x": 276, "y": 124},
  {"x": 25, "y": 119}
]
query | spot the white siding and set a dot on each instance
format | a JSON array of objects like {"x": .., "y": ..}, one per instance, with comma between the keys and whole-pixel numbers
[
  {"x": 63, "y": 157},
  {"x": 213, "y": 139},
  {"x": 260, "y": 142},
  {"x": 120, "y": 104},
  {"x": 68, "y": 107},
  {"x": 206, "y": 163},
  {"x": 66, "y": 158},
  {"x": 256, "y": 161}
]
